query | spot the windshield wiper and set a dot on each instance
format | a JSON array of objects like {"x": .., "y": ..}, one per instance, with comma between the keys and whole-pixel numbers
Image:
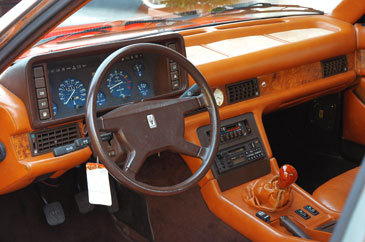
[
  {"x": 102, "y": 29},
  {"x": 262, "y": 5},
  {"x": 183, "y": 16}
]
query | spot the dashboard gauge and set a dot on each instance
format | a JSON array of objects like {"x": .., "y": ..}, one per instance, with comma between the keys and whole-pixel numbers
[
  {"x": 143, "y": 88},
  {"x": 55, "y": 109},
  {"x": 119, "y": 84},
  {"x": 138, "y": 69},
  {"x": 101, "y": 99},
  {"x": 219, "y": 96},
  {"x": 72, "y": 93}
]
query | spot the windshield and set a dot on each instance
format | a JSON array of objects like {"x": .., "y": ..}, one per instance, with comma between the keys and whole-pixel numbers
[{"x": 102, "y": 16}]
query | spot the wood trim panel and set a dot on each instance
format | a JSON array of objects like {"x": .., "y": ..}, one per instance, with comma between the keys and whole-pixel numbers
[
  {"x": 21, "y": 146},
  {"x": 295, "y": 77},
  {"x": 287, "y": 79}
]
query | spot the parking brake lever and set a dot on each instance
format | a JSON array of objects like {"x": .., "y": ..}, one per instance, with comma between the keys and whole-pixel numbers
[{"x": 287, "y": 223}]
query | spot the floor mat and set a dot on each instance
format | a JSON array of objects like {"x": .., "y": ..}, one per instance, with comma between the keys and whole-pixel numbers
[
  {"x": 183, "y": 217},
  {"x": 22, "y": 218}
]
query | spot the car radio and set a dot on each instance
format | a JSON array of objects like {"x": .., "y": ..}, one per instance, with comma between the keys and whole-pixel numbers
[{"x": 241, "y": 155}]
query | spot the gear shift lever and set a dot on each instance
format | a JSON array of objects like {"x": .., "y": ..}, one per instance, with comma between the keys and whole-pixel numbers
[
  {"x": 272, "y": 193},
  {"x": 287, "y": 176}
]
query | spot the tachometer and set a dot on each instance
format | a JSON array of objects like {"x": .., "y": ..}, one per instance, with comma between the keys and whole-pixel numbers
[
  {"x": 72, "y": 93},
  {"x": 120, "y": 84},
  {"x": 143, "y": 88}
]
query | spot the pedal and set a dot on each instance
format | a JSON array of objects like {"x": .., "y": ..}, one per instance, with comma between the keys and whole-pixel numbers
[
  {"x": 54, "y": 213},
  {"x": 82, "y": 200},
  {"x": 115, "y": 203}
]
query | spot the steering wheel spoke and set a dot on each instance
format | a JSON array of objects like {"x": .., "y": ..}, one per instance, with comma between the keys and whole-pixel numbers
[
  {"x": 189, "y": 104},
  {"x": 187, "y": 148},
  {"x": 133, "y": 164}
]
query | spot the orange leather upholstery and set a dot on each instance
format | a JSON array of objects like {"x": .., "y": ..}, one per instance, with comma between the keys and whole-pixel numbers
[{"x": 334, "y": 192}]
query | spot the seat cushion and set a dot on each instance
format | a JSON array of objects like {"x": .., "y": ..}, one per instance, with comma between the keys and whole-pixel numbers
[{"x": 333, "y": 193}]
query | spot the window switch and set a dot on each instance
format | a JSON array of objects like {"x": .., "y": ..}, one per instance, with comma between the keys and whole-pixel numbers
[
  {"x": 302, "y": 214},
  {"x": 311, "y": 210},
  {"x": 263, "y": 216}
]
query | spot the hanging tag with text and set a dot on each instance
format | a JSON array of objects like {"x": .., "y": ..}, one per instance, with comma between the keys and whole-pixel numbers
[{"x": 98, "y": 184}]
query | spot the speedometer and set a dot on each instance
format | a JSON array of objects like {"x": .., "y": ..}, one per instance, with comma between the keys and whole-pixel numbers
[
  {"x": 119, "y": 84},
  {"x": 72, "y": 93}
]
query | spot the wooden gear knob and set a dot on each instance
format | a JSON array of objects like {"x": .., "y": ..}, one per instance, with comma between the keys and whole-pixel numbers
[{"x": 288, "y": 175}]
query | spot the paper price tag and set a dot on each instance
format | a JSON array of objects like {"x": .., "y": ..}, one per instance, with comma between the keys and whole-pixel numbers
[{"x": 98, "y": 184}]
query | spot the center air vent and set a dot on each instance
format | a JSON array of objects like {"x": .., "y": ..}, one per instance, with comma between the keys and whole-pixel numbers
[
  {"x": 46, "y": 140},
  {"x": 334, "y": 66},
  {"x": 242, "y": 90}
]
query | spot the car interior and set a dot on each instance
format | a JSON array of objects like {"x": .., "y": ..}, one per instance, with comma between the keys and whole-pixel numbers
[{"x": 251, "y": 129}]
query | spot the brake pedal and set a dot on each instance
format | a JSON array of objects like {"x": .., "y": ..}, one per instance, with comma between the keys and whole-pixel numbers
[
  {"x": 82, "y": 200},
  {"x": 54, "y": 213}
]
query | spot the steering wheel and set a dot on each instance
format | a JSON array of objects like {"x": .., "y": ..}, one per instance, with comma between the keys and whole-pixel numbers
[{"x": 151, "y": 126}]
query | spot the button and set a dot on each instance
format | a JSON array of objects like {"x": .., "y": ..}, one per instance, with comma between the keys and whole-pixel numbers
[
  {"x": 175, "y": 85},
  {"x": 40, "y": 82},
  {"x": 311, "y": 210},
  {"x": 83, "y": 142},
  {"x": 263, "y": 216},
  {"x": 64, "y": 150},
  {"x": 38, "y": 71},
  {"x": 173, "y": 66},
  {"x": 174, "y": 76},
  {"x": 41, "y": 93},
  {"x": 44, "y": 114},
  {"x": 43, "y": 103},
  {"x": 302, "y": 214}
]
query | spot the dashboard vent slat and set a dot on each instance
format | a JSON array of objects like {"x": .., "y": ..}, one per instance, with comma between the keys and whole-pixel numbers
[
  {"x": 242, "y": 90},
  {"x": 334, "y": 66},
  {"x": 45, "y": 141}
]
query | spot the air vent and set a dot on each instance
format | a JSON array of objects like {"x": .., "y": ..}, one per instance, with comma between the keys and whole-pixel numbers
[
  {"x": 334, "y": 66},
  {"x": 242, "y": 90},
  {"x": 46, "y": 140}
]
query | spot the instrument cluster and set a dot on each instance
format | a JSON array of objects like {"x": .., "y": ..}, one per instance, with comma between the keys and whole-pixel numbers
[{"x": 129, "y": 80}]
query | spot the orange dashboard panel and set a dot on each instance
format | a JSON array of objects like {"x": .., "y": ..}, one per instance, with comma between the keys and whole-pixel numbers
[{"x": 20, "y": 168}]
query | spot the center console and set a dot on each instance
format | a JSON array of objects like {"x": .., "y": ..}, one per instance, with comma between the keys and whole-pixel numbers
[
  {"x": 250, "y": 191},
  {"x": 241, "y": 155}
]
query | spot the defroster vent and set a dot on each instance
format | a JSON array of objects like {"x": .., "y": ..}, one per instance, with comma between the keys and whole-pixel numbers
[
  {"x": 45, "y": 141},
  {"x": 334, "y": 66},
  {"x": 243, "y": 90}
]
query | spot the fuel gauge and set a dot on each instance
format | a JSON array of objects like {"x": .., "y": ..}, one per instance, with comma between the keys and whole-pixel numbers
[{"x": 143, "y": 88}]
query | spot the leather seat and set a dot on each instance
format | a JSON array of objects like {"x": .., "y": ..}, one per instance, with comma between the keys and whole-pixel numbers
[{"x": 333, "y": 193}]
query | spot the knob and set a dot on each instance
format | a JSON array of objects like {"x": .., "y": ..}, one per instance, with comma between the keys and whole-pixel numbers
[{"x": 288, "y": 175}]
